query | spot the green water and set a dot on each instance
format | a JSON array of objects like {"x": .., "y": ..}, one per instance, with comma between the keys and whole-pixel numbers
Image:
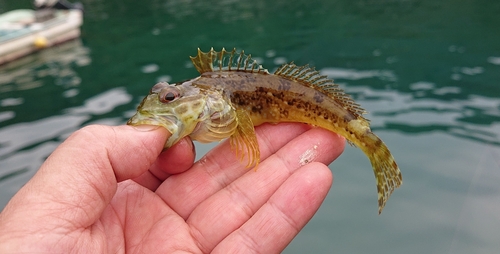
[{"x": 427, "y": 71}]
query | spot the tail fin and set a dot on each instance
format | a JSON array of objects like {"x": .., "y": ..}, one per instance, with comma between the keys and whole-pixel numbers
[{"x": 387, "y": 174}]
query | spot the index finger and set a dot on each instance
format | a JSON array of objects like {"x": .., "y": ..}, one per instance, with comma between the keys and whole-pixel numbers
[{"x": 220, "y": 167}]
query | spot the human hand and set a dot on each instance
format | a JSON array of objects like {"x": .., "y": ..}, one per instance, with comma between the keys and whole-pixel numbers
[{"x": 83, "y": 201}]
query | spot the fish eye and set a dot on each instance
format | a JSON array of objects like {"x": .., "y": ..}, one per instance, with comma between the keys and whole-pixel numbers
[{"x": 168, "y": 96}]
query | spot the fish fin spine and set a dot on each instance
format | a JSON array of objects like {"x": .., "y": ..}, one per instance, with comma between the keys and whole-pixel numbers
[{"x": 226, "y": 61}]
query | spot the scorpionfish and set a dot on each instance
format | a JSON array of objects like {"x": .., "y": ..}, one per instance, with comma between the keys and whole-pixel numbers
[{"x": 233, "y": 94}]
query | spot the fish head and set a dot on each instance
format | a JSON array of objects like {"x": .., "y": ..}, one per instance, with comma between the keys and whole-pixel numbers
[{"x": 175, "y": 107}]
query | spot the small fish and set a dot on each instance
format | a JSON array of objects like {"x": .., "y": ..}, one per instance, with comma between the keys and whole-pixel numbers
[{"x": 233, "y": 94}]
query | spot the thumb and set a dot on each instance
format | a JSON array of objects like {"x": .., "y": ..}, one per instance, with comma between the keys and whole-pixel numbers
[{"x": 79, "y": 179}]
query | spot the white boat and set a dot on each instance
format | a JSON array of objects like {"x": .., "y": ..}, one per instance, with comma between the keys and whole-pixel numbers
[{"x": 25, "y": 31}]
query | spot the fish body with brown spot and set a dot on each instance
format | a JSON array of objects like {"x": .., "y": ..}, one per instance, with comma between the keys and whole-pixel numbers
[{"x": 233, "y": 94}]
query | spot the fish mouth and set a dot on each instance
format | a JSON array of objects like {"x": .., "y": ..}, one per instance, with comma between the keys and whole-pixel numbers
[{"x": 168, "y": 122}]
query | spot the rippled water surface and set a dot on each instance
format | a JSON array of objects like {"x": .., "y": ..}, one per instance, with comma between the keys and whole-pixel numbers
[{"x": 427, "y": 71}]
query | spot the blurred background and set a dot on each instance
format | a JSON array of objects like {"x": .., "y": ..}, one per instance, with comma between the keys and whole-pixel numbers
[{"x": 428, "y": 72}]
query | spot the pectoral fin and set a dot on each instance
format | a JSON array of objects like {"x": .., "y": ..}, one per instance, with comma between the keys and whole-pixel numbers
[{"x": 244, "y": 140}]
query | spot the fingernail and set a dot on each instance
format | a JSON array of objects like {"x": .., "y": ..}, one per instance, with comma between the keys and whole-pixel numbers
[
  {"x": 193, "y": 147},
  {"x": 144, "y": 127}
]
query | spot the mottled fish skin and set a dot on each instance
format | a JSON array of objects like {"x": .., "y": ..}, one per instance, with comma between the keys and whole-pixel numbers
[{"x": 249, "y": 96}]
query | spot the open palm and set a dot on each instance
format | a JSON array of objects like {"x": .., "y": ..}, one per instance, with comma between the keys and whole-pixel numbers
[{"x": 111, "y": 190}]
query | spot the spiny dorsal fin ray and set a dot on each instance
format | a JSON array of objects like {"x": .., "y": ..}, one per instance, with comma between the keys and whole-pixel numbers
[
  {"x": 308, "y": 76},
  {"x": 225, "y": 60},
  {"x": 203, "y": 61}
]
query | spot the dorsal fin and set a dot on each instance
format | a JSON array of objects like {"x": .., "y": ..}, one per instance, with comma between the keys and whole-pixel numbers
[
  {"x": 308, "y": 76},
  {"x": 225, "y": 60}
]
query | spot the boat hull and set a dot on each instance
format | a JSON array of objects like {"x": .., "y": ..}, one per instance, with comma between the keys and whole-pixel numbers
[{"x": 31, "y": 37}]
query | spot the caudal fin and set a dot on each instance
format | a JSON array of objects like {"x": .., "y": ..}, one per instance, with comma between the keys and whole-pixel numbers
[{"x": 387, "y": 174}]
